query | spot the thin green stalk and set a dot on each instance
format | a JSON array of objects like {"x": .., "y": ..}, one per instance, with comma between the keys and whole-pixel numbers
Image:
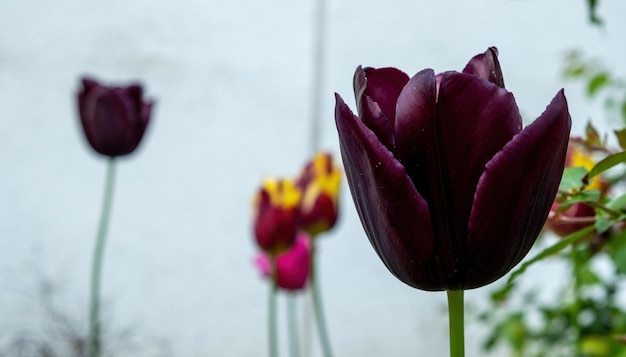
[
  {"x": 318, "y": 308},
  {"x": 96, "y": 270},
  {"x": 577, "y": 296},
  {"x": 272, "y": 326},
  {"x": 292, "y": 324},
  {"x": 457, "y": 328},
  {"x": 307, "y": 325}
]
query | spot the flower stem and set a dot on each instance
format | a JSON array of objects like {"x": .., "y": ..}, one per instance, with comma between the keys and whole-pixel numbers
[
  {"x": 317, "y": 307},
  {"x": 457, "y": 327},
  {"x": 307, "y": 330},
  {"x": 272, "y": 327},
  {"x": 96, "y": 270},
  {"x": 292, "y": 323}
]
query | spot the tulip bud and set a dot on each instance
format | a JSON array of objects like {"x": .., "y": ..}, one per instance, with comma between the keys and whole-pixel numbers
[
  {"x": 319, "y": 182},
  {"x": 292, "y": 266},
  {"x": 275, "y": 216},
  {"x": 114, "y": 119}
]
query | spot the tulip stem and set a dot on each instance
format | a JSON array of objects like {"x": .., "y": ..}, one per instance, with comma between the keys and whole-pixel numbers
[
  {"x": 272, "y": 327},
  {"x": 457, "y": 327},
  {"x": 292, "y": 323},
  {"x": 96, "y": 270},
  {"x": 317, "y": 306}
]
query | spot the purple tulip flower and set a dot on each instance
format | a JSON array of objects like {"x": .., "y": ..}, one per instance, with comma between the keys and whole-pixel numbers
[
  {"x": 451, "y": 192},
  {"x": 114, "y": 119}
]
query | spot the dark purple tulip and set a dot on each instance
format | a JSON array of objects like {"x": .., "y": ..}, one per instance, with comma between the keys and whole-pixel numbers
[
  {"x": 451, "y": 191},
  {"x": 113, "y": 118}
]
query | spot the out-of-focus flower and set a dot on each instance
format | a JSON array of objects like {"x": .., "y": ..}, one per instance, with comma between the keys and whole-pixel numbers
[
  {"x": 319, "y": 182},
  {"x": 114, "y": 119},
  {"x": 577, "y": 156},
  {"x": 451, "y": 191},
  {"x": 275, "y": 215},
  {"x": 579, "y": 215},
  {"x": 292, "y": 265},
  {"x": 573, "y": 219}
]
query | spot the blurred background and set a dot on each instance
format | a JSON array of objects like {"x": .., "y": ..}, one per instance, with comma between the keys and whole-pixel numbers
[{"x": 233, "y": 82}]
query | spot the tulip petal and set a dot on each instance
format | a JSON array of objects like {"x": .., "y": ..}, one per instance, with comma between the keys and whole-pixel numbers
[
  {"x": 475, "y": 119},
  {"x": 383, "y": 85},
  {"x": 137, "y": 114},
  {"x": 376, "y": 92},
  {"x": 373, "y": 117},
  {"x": 486, "y": 66},
  {"x": 415, "y": 115},
  {"x": 514, "y": 195},
  {"x": 392, "y": 208},
  {"x": 292, "y": 267},
  {"x": 445, "y": 147}
]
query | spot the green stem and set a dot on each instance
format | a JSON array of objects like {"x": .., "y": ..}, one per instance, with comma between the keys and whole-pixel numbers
[
  {"x": 317, "y": 306},
  {"x": 292, "y": 323},
  {"x": 457, "y": 327},
  {"x": 612, "y": 212},
  {"x": 96, "y": 270},
  {"x": 272, "y": 327},
  {"x": 307, "y": 325}
]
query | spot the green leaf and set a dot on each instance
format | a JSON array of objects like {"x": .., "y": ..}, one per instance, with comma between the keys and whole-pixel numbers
[
  {"x": 618, "y": 203},
  {"x": 593, "y": 16},
  {"x": 586, "y": 276},
  {"x": 597, "y": 82},
  {"x": 607, "y": 163},
  {"x": 621, "y": 134},
  {"x": 603, "y": 224},
  {"x": 624, "y": 110},
  {"x": 592, "y": 345},
  {"x": 514, "y": 330},
  {"x": 572, "y": 178},
  {"x": 581, "y": 197},
  {"x": 593, "y": 138},
  {"x": 620, "y": 259},
  {"x": 550, "y": 251},
  {"x": 575, "y": 70}
]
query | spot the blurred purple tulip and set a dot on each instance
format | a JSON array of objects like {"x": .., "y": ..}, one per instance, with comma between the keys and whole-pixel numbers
[
  {"x": 114, "y": 119},
  {"x": 451, "y": 192}
]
